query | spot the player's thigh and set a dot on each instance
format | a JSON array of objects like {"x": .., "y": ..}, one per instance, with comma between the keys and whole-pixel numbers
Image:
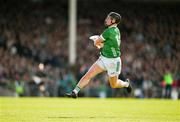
[
  {"x": 94, "y": 70},
  {"x": 113, "y": 67}
]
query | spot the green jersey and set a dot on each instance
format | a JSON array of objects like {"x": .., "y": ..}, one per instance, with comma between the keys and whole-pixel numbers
[{"x": 111, "y": 37}]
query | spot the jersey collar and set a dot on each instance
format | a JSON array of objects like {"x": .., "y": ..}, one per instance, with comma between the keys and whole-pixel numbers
[{"x": 114, "y": 25}]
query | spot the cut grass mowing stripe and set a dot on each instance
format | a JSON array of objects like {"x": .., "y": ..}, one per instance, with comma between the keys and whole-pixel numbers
[{"x": 88, "y": 110}]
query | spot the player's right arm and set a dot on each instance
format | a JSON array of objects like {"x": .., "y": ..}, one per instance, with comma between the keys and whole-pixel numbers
[{"x": 99, "y": 42}]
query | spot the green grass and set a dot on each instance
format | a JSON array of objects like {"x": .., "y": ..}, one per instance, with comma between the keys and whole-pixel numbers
[{"x": 88, "y": 110}]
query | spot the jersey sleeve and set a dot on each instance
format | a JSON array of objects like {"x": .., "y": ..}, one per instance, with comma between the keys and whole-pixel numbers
[{"x": 105, "y": 34}]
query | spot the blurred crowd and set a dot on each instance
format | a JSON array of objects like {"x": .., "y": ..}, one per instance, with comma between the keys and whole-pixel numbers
[{"x": 34, "y": 48}]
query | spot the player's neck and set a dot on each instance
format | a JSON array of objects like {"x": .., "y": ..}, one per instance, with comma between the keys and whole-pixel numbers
[{"x": 113, "y": 25}]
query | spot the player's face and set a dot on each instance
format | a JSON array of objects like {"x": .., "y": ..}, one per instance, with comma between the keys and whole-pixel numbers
[{"x": 108, "y": 21}]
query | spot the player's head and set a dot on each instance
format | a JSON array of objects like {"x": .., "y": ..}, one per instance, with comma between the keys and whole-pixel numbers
[{"x": 112, "y": 18}]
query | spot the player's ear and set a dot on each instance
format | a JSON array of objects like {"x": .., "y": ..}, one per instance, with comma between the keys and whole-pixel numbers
[{"x": 113, "y": 21}]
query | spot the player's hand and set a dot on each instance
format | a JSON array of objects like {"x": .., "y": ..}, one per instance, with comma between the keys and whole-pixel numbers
[
  {"x": 99, "y": 45},
  {"x": 98, "y": 42}
]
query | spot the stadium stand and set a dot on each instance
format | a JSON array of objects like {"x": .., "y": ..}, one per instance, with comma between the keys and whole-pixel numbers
[{"x": 36, "y": 32}]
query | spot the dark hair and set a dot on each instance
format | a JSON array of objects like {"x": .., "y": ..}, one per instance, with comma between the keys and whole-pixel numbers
[{"x": 115, "y": 16}]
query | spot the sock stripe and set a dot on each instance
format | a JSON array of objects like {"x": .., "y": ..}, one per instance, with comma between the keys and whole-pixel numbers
[{"x": 78, "y": 88}]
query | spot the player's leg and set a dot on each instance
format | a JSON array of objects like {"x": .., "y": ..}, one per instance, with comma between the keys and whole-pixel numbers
[
  {"x": 92, "y": 72},
  {"x": 114, "y": 69},
  {"x": 117, "y": 83}
]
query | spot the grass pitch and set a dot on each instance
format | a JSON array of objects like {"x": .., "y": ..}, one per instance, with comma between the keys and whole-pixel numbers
[{"x": 88, "y": 110}]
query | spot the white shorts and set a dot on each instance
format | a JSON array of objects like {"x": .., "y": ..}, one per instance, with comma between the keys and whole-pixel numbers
[{"x": 111, "y": 65}]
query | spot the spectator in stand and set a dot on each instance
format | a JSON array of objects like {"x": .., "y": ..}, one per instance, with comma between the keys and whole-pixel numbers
[{"x": 168, "y": 78}]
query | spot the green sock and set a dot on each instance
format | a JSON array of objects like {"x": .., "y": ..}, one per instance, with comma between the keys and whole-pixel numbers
[{"x": 76, "y": 89}]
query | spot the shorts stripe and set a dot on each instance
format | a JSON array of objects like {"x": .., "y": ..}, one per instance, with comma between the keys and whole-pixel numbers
[{"x": 118, "y": 66}]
